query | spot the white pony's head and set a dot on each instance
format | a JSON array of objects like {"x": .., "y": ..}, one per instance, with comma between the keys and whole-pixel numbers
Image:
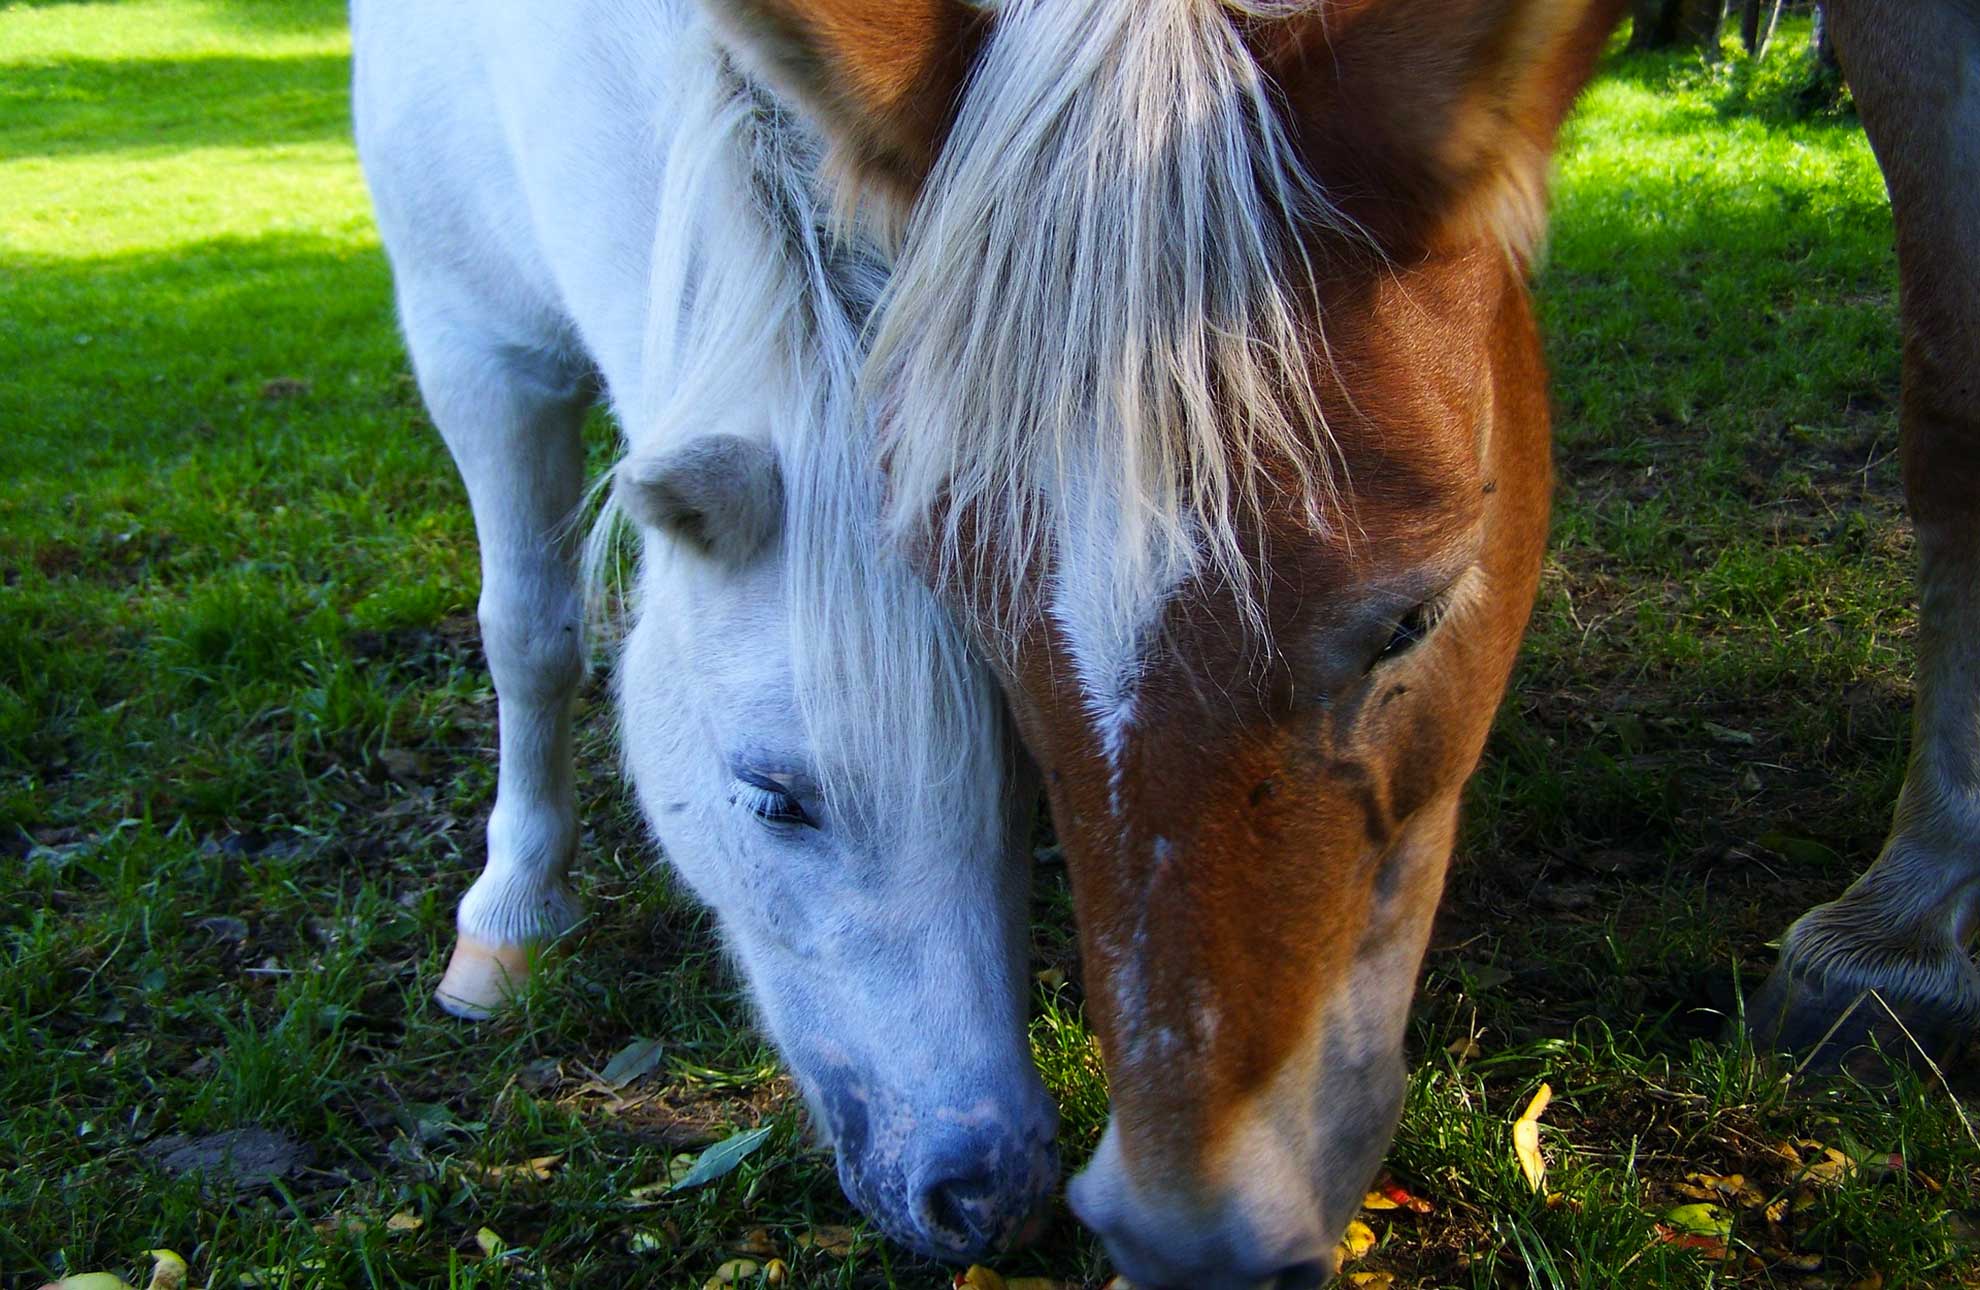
[{"x": 880, "y": 922}]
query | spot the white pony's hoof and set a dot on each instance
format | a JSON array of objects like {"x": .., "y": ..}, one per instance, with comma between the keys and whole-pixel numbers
[{"x": 482, "y": 978}]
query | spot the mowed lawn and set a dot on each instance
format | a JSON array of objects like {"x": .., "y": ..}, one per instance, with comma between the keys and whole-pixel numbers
[{"x": 246, "y": 748}]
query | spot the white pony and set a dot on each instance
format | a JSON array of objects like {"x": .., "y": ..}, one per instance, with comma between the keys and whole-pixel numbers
[{"x": 582, "y": 197}]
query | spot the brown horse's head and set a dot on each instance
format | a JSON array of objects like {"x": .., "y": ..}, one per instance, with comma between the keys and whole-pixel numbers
[{"x": 1215, "y": 403}]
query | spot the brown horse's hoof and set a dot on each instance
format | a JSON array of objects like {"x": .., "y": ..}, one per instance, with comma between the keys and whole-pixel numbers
[
  {"x": 1832, "y": 1027},
  {"x": 482, "y": 978}
]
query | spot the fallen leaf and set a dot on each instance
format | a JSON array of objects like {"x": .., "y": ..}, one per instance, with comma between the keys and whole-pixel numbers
[
  {"x": 722, "y": 1158},
  {"x": 90, "y": 1281},
  {"x": 490, "y": 1243},
  {"x": 834, "y": 1241},
  {"x": 1371, "y": 1280},
  {"x": 1355, "y": 1242},
  {"x": 978, "y": 1277},
  {"x": 1464, "y": 1050},
  {"x": 1794, "y": 1261},
  {"x": 1526, "y": 1138},
  {"x": 1398, "y": 1197},
  {"x": 640, "y": 1057},
  {"x": 1873, "y": 1281},
  {"x": 1036, "y": 1283},
  {"x": 776, "y": 1272},
  {"x": 734, "y": 1272},
  {"x": 756, "y": 1245},
  {"x": 649, "y": 1240},
  {"x": 404, "y": 1221},
  {"x": 1830, "y": 1170},
  {"x": 536, "y": 1169},
  {"x": 1710, "y": 1246},
  {"x": 168, "y": 1271},
  {"x": 1701, "y": 1219}
]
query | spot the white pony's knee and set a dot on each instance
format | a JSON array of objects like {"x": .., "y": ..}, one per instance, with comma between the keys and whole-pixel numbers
[{"x": 532, "y": 630}]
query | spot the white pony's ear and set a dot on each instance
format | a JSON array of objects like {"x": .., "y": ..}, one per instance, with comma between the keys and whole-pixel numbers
[{"x": 721, "y": 494}]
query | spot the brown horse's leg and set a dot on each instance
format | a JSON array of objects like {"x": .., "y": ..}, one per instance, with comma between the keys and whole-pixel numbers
[{"x": 1902, "y": 929}]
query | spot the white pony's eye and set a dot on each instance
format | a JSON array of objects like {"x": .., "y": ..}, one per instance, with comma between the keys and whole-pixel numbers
[{"x": 769, "y": 801}]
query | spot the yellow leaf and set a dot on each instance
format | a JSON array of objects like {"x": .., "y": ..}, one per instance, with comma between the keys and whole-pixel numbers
[
  {"x": 1376, "y": 1200},
  {"x": 1830, "y": 1170},
  {"x": 1874, "y": 1281},
  {"x": 168, "y": 1271},
  {"x": 1355, "y": 1242},
  {"x": 90, "y": 1281},
  {"x": 978, "y": 1277},
  {"x": 835, "y": 1241},
  {"x": 1371, "y": 1280},
  {"x": 490, "y": 1243},
  {"x": 404, "y": 1221},
  {"x": 732, "y": 1273},
  {"x": 1526, "y": 1138},
  {"x": 1701, "y": 1220},
  {"x": 533, "y": 1170},
  {"x": 776, "y": 1272},
  {"x": 1035, "y": 1283}
]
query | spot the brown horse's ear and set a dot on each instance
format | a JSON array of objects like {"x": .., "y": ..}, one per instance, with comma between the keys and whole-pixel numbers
[
  {"x": 1432, "y": 122},
  {"x": 881, "y": 76}
]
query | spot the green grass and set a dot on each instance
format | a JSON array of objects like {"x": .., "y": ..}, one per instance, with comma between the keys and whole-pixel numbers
[{"x": 245, "y": 734}]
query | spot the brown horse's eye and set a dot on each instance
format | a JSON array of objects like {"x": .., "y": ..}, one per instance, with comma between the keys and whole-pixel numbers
[{"x": 1410, "y": 631}]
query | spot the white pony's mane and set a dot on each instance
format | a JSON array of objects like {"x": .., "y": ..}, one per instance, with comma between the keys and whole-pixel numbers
[
  {"x": 769, "y": 337},
  {"x": 1093, "y": 339}
]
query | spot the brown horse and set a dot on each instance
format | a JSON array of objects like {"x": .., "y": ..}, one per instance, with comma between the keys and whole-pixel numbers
[{"x": 1215, "y": 406}]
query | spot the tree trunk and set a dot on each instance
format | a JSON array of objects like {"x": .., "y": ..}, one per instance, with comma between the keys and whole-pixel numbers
[
  {"x": 1656, "y": 24},
  {"x": 1752, "y": 33},
  {"x": 1704, "y": 24},
  {"x": 1663, "y": 24},
  {"x": 1822, "y": 44}
]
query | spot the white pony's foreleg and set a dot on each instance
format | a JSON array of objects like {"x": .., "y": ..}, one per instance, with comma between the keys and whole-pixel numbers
[{"x": 513, "y": 420}]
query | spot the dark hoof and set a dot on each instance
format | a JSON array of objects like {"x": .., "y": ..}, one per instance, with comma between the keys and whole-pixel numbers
[{"x": 1832, "y": 1028}]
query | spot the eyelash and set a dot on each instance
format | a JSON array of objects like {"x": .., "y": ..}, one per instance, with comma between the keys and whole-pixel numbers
[
  {"x": 1412, "y": 629},
  {"x": 771, "y": 805}
]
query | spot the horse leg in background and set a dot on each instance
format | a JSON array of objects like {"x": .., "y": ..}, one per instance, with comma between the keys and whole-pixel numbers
[
  {"x": 1902, "y": 930},
  {"x": 513, "y": 419}
]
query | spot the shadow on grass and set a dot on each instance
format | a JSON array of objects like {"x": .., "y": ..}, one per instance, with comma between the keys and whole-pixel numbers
[
  {"x": 134, "y": 356},
  {"x": 280, "y": 15},
  {"x": 81, "y": 106}
]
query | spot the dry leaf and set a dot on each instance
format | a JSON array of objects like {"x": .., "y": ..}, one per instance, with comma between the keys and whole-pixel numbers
[
  {"x": 1873, "y": 1281},
  {"x": 536, "y": 1169},
  {"x": 732, "y": 1273},
  {"x": 1371, "y": 1280},
  {"x": 756, "y": 1245},
  {"x": 649, "y": 1240},
  {"x": 490, "y": 1243},
  {"x": 1355, "y": 1242},
  {"x": 90, "y": 1281},
  {"x": 835, "y": 1241},
  {"x": 1396, "y": 1196},
  {"x": 1036, "y": 1283},
  {"x": 1464, "y": 1050},
  {"x": 1830, "y": 1170},
  {"x": 776, "y": 1272},
  {"x": 404, "y": 1222},
  {"x": 1526, "y": 1138},
  {"x": 978, "y": 1277}
]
